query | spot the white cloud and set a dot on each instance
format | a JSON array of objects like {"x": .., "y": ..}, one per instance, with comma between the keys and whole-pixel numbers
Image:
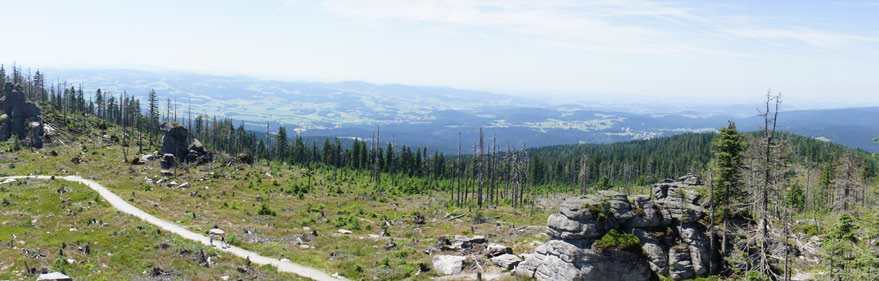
[
  {"x": 808, "y": 36},
  {"x": 626, "y": 26}
]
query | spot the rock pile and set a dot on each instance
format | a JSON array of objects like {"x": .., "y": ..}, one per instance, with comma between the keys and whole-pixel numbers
[
  {"x": 197, "y": 153},
  {"x": 474, "y": 249},
  {"x": 672, "y": 240},
  {"x": 19, "y": 117}
]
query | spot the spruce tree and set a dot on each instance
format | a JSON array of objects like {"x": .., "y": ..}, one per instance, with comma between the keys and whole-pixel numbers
[
  {"x": 154, "y": 115},
  {"x": 728, "y": 148},
  {"x": 281, "y": 143}
]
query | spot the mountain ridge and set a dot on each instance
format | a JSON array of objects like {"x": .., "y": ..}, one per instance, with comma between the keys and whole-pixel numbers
[{"x": 433, "y": 116}]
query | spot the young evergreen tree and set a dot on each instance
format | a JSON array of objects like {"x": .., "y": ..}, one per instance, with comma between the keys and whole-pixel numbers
[
  {"x": 728, "y": 148},
  {"x": 839, "y": 245},
  {"x": 153, "y": 123},
  {"x": 281, "y": 143}
]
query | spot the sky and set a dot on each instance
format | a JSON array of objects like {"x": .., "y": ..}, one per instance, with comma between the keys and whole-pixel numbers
[{"x": 816, "y": 53}]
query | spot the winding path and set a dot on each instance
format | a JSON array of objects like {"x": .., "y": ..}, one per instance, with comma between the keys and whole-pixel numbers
[{"x": 123, "y": 206}]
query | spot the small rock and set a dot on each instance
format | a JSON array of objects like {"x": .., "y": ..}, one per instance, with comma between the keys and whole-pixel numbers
[
  {"x": 184, "y": 185},
  {"x": 345, "y": 231}
]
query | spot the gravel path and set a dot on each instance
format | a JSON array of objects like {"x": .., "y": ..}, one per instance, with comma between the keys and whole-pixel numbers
[{"x": 123, "y": 206}]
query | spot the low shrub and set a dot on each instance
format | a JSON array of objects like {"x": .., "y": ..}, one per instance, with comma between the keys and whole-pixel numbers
[
  {"x": 265, "y": 211},
  {"x": 614, "y": 239}
]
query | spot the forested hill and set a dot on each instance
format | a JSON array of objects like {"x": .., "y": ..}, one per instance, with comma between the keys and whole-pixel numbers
[{"x": 645, "y": 161}]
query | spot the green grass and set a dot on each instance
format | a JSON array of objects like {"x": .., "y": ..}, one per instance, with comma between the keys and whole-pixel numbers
[
  {"x": 232, "y": 197},
  {"x": 122, "y": 249}
]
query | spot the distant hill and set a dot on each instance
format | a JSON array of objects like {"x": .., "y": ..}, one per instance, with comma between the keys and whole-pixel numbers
[
  {"x": 434, "y": 116},
  {"x": 853, "y": 127}
]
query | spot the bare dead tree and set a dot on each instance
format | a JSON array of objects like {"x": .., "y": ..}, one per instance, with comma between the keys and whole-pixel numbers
[
  {"x": 378, "y": 156},
  {"x": 508, "y": 157},
  {"x": 583, "y": 176},
  {"x": 480, "y": 169},
  {"x": 769, "y": 126},
  {"x": 458, "y": 172},
  {"x": 122, "y": 98}
]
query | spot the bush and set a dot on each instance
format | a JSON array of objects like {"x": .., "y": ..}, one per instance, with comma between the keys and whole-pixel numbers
[
  {"x": 233, "y": 240},
  {"x": 265, "y": 211},
  {"x": 352, "y": 270},
  {"x": 620, "y": 241},
  {"x": 756, "y": 276},
  {"x": 245, "y": 158},
  {"x": 478, "y": 217},
  {"x": 599, "y": 212},
  {"x": 807, "y": 229}
]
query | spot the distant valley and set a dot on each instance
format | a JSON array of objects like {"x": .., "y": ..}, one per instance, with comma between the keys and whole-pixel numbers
[{"x": 434, "y": 116}]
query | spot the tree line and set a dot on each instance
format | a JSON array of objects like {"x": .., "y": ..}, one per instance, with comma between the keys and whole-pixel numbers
[{"x": 480, "y": 173}]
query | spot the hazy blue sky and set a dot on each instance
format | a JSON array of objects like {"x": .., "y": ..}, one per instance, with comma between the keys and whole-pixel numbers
[{"x": 816, "y": 52}]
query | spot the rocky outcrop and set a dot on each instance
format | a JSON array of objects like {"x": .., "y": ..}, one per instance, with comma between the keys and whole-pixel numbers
[
  {"x": 174, "y": 140},
  {"x": 20, "y": 117},
  {"x": 672, "y": 241},
  {"x": 174, "y": 143},
  {"x": 562, "y": 259}
]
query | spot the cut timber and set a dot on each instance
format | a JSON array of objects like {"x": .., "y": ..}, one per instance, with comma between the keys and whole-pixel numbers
[{"x": 455, "y": 217}]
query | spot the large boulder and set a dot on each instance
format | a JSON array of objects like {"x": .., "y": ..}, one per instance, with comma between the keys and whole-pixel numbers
[
  {"x": 493, "y": 250},
  {"x": 20, "y": 117},
  {"x": 679, "y": 202},
  {"x": 564, "y": 227},
  {"x": 647, "y": 214},
  {"x": 197, "y": 153},
  {"x": 448, "y": 264},
  {"x": 506, "y": 261},
  {"x": 578, "y": 260},
  {"x": 690, "y": 180},
  {"x": 654, "y": 244},
  {"x": 680, "y": 263},
  {"x": 174, "y": 140},
  {"x": 697, "y": 243},
  {"x": 612, "y": 265},
  {"x": 196, "y": 146}
]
